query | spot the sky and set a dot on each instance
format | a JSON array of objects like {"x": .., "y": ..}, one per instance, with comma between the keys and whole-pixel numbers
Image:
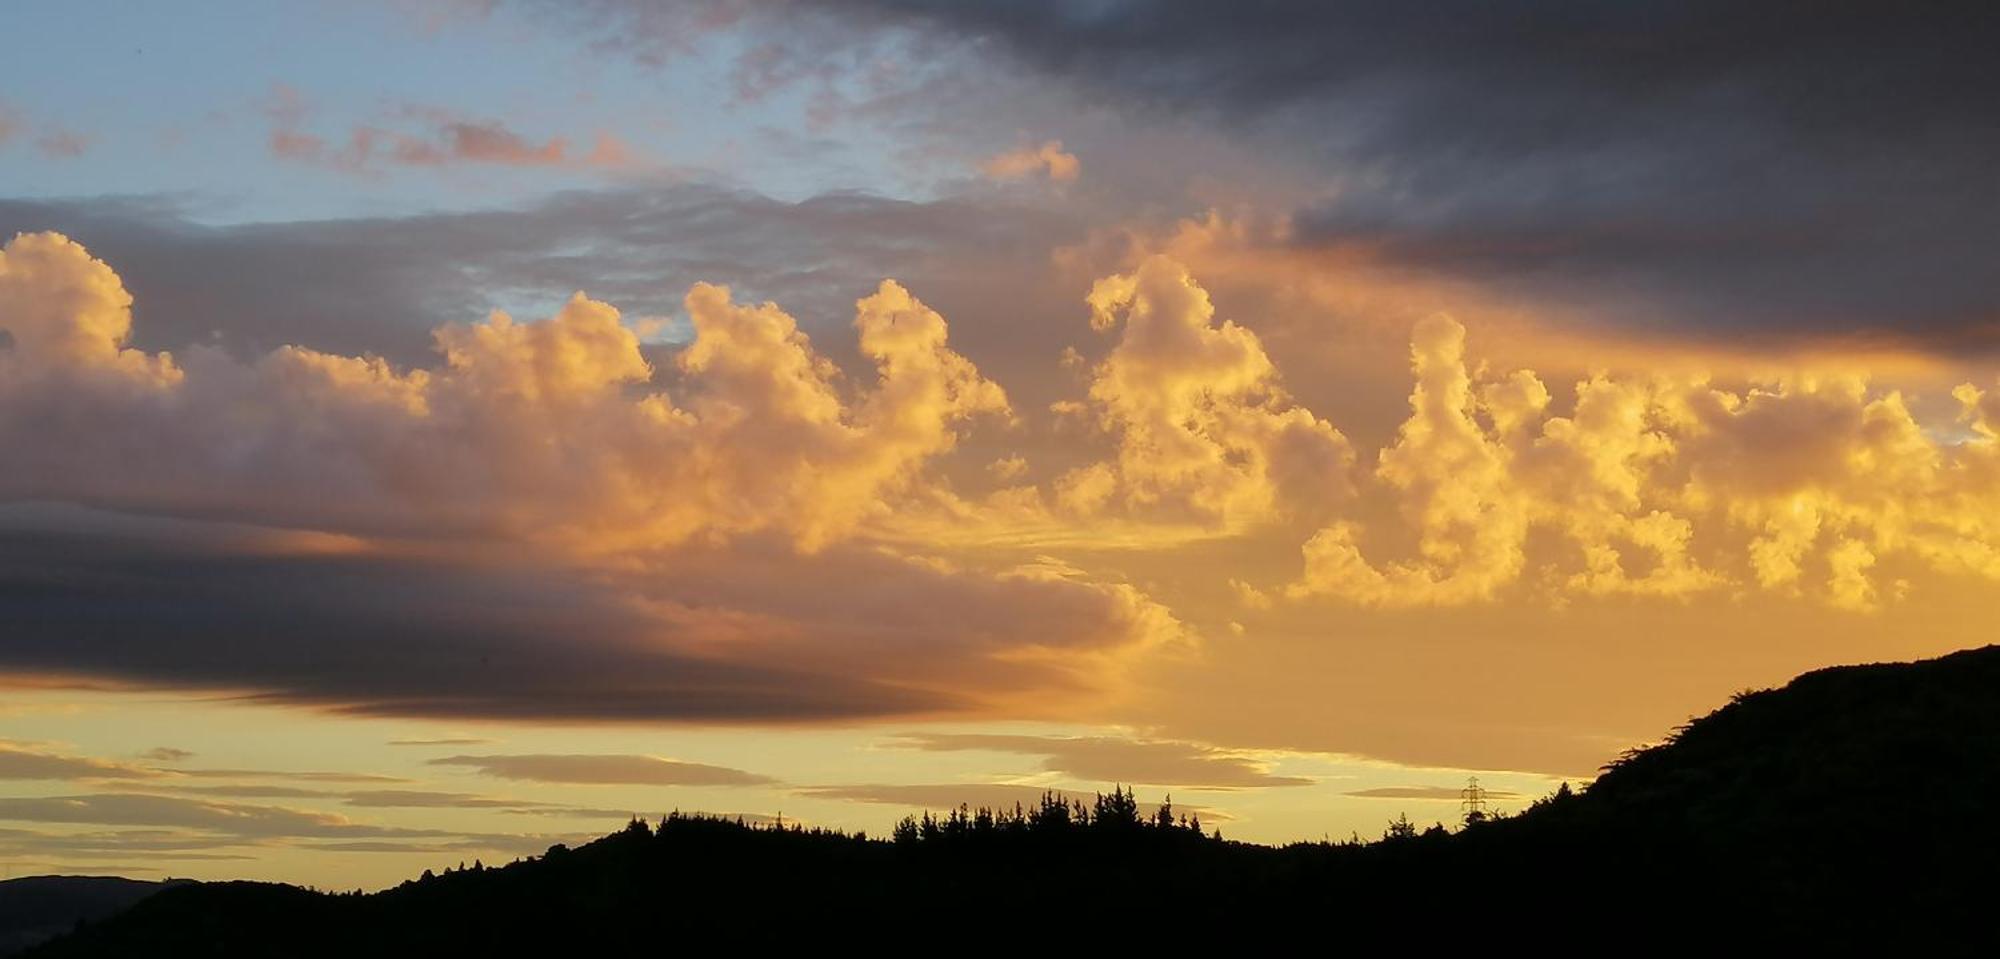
[{"x": 431, "y": 430}]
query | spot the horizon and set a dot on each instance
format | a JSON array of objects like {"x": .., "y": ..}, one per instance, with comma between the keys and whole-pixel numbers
[{"x": 440, "y": 429}]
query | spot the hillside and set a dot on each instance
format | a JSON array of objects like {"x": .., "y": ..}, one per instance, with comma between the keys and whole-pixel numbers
[
  {"x": 1853, "y": 806},
  {"x": 37, "y": 908}
]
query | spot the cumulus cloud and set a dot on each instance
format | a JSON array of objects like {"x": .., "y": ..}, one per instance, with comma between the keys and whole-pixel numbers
[
  {"x": 1669, "y": 485},
  {"x": 1047, "y": 159},
  {"x": 1204, "y": 427},
  {"x": 692, "y": 513},
  {"x": 539, "y": 417},
  {"x": 737, "y": 527}
]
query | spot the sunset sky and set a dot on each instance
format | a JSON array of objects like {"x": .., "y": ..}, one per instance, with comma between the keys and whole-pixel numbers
[{"x": 435, "y": 429}]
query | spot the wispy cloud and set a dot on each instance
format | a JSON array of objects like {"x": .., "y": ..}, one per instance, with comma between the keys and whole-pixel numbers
[
  {"x": 605, "y": 770},
  {"x": 21, "y": 761},
  {"x": 1452, "y": 793},
  {"x": 1113, "y": 760},
  {"x": 425, "y": 136}
]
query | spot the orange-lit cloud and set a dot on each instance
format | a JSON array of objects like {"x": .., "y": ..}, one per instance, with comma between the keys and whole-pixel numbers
[
  {"x": 1204, "y": 428},
  {"x": 1669, "y": 486},
  {"x": 747, "y": 530},
  {"x": 1047, "y": 159},
  {"x": 429, "y": 137},
  {"x": 710, "y": 519}
]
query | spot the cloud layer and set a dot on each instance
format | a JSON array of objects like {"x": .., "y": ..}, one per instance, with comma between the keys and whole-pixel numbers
[
  {"x": 557, "y": 520},
  {"x": 700, "y": 544}
]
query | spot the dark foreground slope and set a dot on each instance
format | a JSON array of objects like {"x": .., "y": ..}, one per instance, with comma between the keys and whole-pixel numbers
[
  {"x": 1853, "y": 807},
  {"x": 37, "y": 908}
]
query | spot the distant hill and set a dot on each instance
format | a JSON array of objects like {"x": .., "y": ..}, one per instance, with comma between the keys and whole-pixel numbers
[
  {"x": 1853, "y": 808},
  {"x": 37, "y": 908}
]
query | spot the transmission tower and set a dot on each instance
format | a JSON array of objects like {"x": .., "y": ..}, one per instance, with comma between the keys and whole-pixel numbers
[{"x": 1473, "y": 801}]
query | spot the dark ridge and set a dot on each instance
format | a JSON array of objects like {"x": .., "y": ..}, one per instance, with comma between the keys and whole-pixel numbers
[
  {"x": 37, "y": 908},
  {"x": 1853, "y": 808}
]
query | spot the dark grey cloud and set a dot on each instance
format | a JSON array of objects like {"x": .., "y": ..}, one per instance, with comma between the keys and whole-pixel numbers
[
  {"x": 1116, "y": 760},
  {"x": 1761, "y": 171},
  {"x": 1753, "y": 170},
  {"x": 376, "y": 636},
  {"x": 380, "y": 285}
]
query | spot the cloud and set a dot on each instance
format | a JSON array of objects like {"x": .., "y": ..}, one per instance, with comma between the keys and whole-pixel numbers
[
  {"x": 1451, "y": 793},
  {"x": 1047, "y": 160},
  {"x": 1592, "y": 166},
  {"x": 379, "y": 286},
  {"x": 310, "y": 776},
  {"x": 238, "y": 820},
  {"x": 1668, "y": 486},
  {"x": 1205, "y": 429},
  {"x": 1599, "y": 158},
  {"x": 190, "y": 830},
  {"x": 605, "y": 770},
  {"x": 121, "y": 844},
  {"x": 759, "y": 460},
  {"x": 448, "y": 741},
  {"x": 558, "y": 519},
  {"x": 247, "y": 790},
  {"x": 167, "y": 754},
  {"x": 641, "y": 464},
  {"x": 520, "y": 845},
  {"x": 58, "y": 143},
  {"x": 21, "y": 761},
  {"x": 391, "y": 799},
  {"x": 426, "y": 799},
  {"x": 1114, "y": 760},
  {"x": 442, "y": 139}
]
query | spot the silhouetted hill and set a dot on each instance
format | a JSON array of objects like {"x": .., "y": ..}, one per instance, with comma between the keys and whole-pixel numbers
[
  {"x": 37, "y": 908},
  {"x": 1853, "y": 808}
]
